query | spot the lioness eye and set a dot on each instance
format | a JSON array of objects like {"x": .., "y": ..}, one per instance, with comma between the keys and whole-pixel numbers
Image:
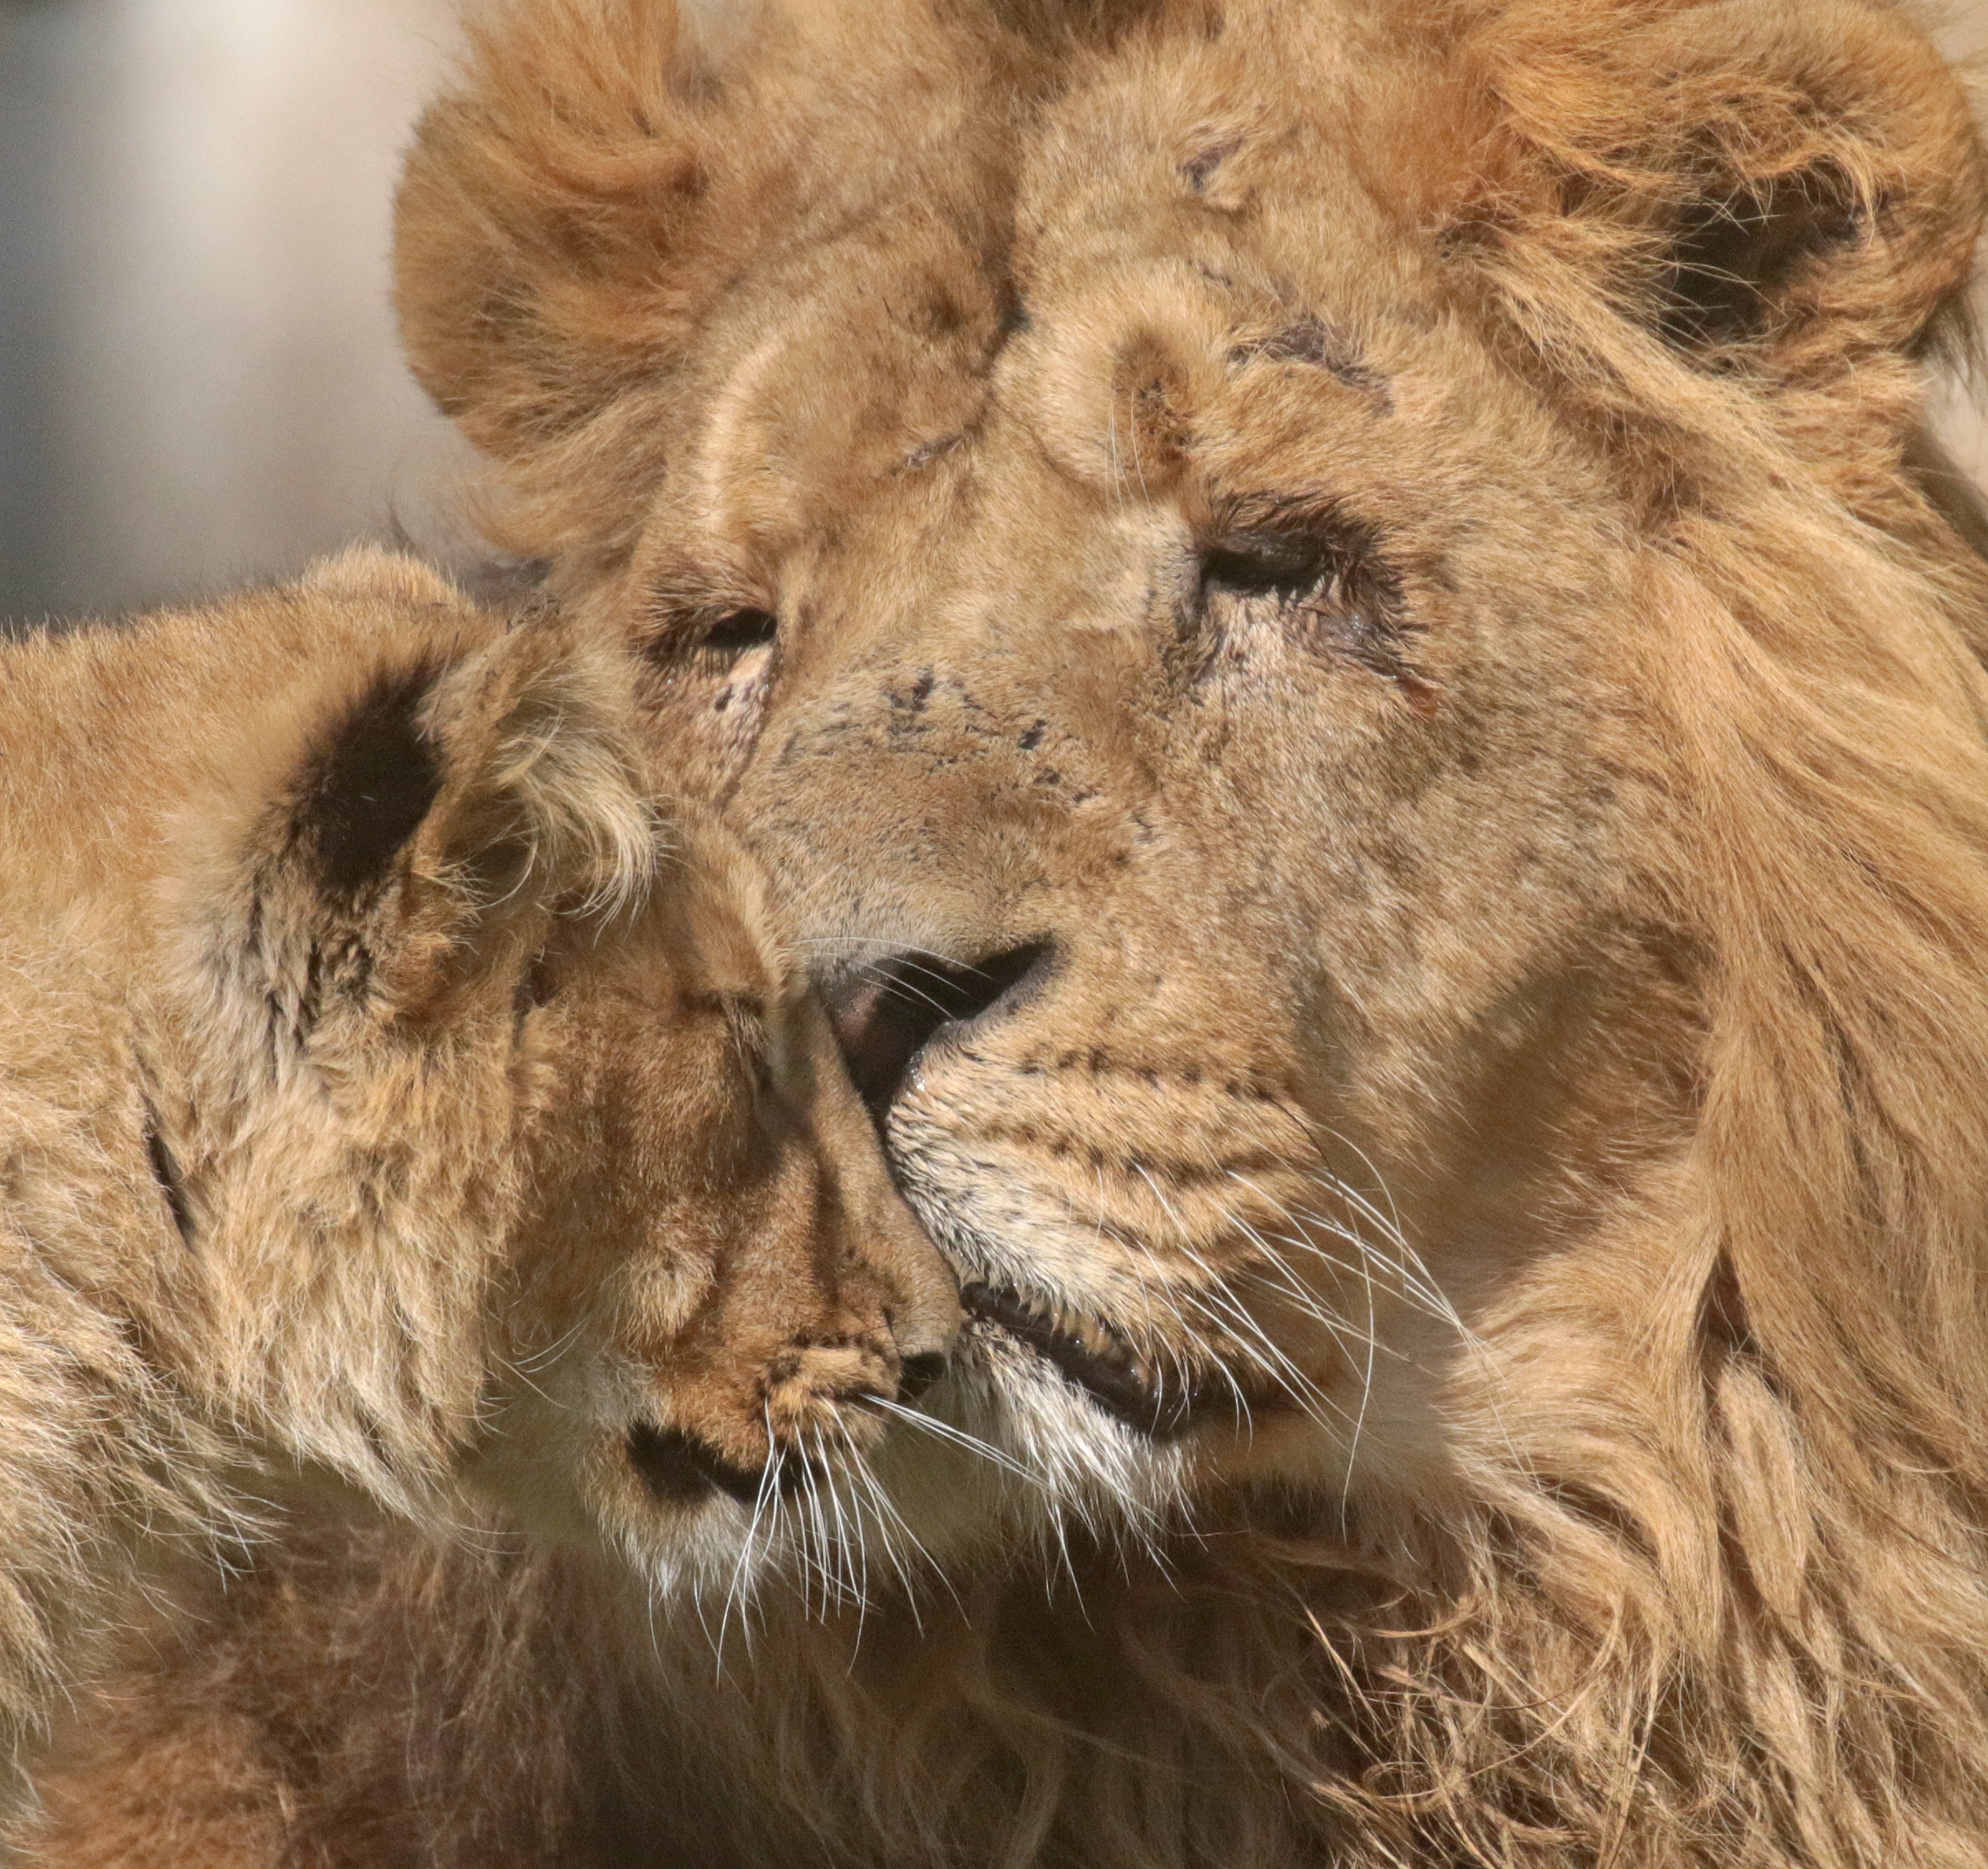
[
  {"x": 1283, "y": 568},
  {"x": 1293, "y": 566}
]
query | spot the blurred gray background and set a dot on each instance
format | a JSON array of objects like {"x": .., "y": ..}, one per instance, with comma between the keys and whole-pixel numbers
[{"x": 199, "y": 382}]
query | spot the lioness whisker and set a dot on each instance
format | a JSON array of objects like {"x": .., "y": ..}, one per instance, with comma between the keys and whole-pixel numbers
[
  {"x": 851, "y": 1553},
  {"x": 738, "y": 1593},
  {"x": 1163, "y": 1292},
  {"x": 916, "y": 1417},
  {"x": 864, "y": 1483},
  {"x": 1410, "y": 1264},
  {"x": 1288, "y": 1281},
  {"x": 827, "y": 1555},
  {"x": 1221, "y": 1307},
  {"x": 538, "y": 1359},
  {"x": 1369, "y": 1341}
]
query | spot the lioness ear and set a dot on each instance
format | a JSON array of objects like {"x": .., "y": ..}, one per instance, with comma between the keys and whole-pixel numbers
[
  {"x": 450, "y": 810},
  {"x": 1786, "y": 189},
  {"x": 365, "y": 789},
  {"x": 411, "y": 812},
  {"x": 565, "y": 212}
]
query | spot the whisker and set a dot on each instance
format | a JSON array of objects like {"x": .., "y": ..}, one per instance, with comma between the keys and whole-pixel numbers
[
  {"x": 915, "y": 1418},
  {"x": 1301, "y": 1387},
  {"x": 741, "y": 1567},
  {"x": 1417, "y": 1283},
  {"x": 848, "y": 1549}
]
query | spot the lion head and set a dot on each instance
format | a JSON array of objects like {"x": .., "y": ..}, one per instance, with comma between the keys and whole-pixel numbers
[{"x": 1335, "y": 621}]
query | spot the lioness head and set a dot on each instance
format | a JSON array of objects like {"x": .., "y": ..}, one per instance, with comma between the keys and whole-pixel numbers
[
  {"x": 1336, "y": 620},
  {"x": 500, "y": 1134}
]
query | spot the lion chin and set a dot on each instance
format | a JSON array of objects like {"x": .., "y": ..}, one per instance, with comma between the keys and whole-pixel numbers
[{"x": 1336, "y": 625}]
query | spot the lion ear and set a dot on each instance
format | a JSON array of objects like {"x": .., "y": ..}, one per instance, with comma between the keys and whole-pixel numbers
[
  {"x": 1757, "y": 185},
  {"x": 565, "y": 214}
]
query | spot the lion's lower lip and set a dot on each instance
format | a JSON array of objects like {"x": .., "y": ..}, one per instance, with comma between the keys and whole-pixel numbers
[{"x": 1103, "y": 1369}]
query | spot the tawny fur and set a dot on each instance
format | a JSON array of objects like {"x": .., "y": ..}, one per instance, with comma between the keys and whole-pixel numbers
[
  {"x": 1389, "y": 545},
  {"x": 377, "y": 1106}
]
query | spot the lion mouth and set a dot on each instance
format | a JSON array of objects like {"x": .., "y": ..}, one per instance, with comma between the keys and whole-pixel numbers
[
  {"x": 885, "y": 1019},
  {"x": 1090, "y": 1355}
]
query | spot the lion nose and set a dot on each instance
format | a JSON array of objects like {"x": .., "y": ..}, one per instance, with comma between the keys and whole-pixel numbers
[{"x": 884, "y": 1019}]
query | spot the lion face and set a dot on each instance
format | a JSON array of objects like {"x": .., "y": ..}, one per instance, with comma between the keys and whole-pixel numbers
[
  {"x": 1239, "y": 563},
  {"x": 1232, "y": 918}
]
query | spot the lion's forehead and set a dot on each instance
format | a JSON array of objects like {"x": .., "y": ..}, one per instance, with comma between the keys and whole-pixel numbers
[{"x": 1146, "y": 218}]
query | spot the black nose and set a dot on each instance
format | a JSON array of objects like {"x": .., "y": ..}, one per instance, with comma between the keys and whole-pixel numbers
[
  {"x": 916, "y": 1375},
  {"x": 886, "y": 1018}
]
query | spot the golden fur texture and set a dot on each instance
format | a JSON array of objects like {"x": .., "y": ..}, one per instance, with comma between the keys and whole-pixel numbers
[
  {"x": 1350, "y": 589},
  {"x": 377, "y": 1107}
]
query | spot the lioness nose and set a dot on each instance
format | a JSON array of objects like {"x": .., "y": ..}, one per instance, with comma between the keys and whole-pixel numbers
[{"x": 883, "y": 1021}]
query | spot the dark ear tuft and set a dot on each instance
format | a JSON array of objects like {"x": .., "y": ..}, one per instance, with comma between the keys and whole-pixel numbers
[
  {"x": 1734, "y": 254},
  {"x": 368, "y": 788}
]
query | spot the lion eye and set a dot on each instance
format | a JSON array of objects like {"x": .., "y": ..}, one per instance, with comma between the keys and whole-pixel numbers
[
  {"x": 737, "y": 632},
  {"x": 1329, "y": 592},
  {"x": 709, "y": 637}
]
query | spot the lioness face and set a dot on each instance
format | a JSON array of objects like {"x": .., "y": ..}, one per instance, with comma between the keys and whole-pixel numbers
[
  {"x": 503, "y": 1140},
  {"x": 716, "y": 1297}
]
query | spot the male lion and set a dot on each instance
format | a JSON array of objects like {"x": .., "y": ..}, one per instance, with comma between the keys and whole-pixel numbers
[
  {"x": 1336, "y": 615},
  {"x": 367, "y": 1106}
]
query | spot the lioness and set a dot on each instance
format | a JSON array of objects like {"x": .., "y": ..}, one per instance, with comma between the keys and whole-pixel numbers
[
  {"x": 1341, "y": 603},
  {"x": 375, "y": 1101}
]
